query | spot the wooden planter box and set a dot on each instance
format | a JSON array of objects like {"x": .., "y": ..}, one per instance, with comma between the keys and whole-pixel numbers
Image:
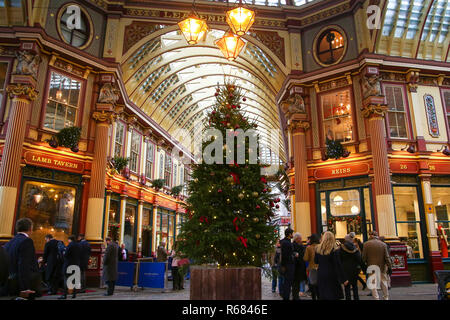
[{"x": 208, "y": 283}]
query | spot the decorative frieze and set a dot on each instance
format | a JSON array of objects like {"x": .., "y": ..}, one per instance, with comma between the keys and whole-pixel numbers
[{"x": 272, "y": 40}]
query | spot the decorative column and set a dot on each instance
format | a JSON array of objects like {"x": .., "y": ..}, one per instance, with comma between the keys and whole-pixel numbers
[
  {"x": 155, "y": 217},
  {"x": 123, "y": 205},
  {"x": 295, "y": 111},
  {"x": 22, "y": 92},
  {"x": 95, "y": 211},
  {"x": 375, "y": 113},
  {"x": 430, "y": 217},
  {"x": 139, "y": 230},
  {"x": 104, "y": 117},
  {"x": 374, "y": 109}
]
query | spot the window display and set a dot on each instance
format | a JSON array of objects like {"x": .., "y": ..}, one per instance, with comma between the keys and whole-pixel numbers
[
  {"x": 114, "y": 217},
  {"x": 50, "y": 207},
  {"x": 337, "y": 116},
  {"x": 147, "y": 223},
  {"x": 441, "y": 203},
  {"x": 408, "y": 220},
  {"x": 129, "y": 233}
]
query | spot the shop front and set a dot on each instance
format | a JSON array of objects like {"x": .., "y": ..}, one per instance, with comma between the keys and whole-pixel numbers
[
  {"x": 147, "y": 229},
  {"x": 165, "y": 227},
  {"x": 440, "y": 192},
  {"x": 345, "y": 206}
]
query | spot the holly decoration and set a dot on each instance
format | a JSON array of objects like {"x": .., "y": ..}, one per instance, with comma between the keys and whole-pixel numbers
[
  {"x": 331, "y": 221},
  {"x": 230, "y": 212}
]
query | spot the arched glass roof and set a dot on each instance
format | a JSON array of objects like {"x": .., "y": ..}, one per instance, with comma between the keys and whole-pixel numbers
[
  {"x": 416, "y": 29},
  {"x": 174, "y": 84},
  {"x": 271, "y": 3}
]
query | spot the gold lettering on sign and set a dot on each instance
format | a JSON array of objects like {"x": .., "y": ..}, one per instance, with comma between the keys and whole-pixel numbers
[
  {"x": 403, "y": 167},
  {"x": 432, "y": 167},
  {"x": 341, "y": 171},
  {"x": 41, "y": 159}
]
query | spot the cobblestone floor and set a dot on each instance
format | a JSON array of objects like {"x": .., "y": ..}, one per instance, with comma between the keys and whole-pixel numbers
[{"x": 415, "y": 292}]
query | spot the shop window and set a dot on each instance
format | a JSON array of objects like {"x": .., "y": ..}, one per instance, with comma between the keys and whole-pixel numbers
[
  {"x": 149, "y": 161},
  {"x": 168, "y": 171},
  {"x": 396, "y": 116},
  {"x": 62, "y": 103},
  {"x": 79, "y": 36},
  {"x": 447, "y": 107},
  {"x": 408, "y": 220},
  {"x": 147, "y": 224},
  {"x": 441, "y": 203},
  {"x": 330, "y": 47},
  {"x": 337, "y": 116},
  {"x": 165, "y": 228},
  {"x": 135, "y": 151},
  {"x": 114, "y": 218},
  {"x": 50, "y": 207},
  {"x": 129, "y": 232},
  {"x": 119, "y": 140},
  {"x": 3, "y": 72}
]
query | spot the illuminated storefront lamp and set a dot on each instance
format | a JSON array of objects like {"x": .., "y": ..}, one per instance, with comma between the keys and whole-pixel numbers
[
  {"x": 240, "y": 19},
  {"x": 354, "y": 209},
  {"x": 230, "y": 45},
  {"x": 193, "y": 28}
]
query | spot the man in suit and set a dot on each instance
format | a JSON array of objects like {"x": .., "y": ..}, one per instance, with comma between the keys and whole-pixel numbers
[
  {"x": 85, "y": 254},
  {"x": 23, "y": 272},
  {"x": 71, "y": 258},
  {"x": 287, "y": 263},
  {"x": 4, "y": 271},
  {"x": 110, "y": 262},
  {"x": 123, "y": 253},
  {"x": 52, "y": 265},
  {"x": 375, "y": 253}
]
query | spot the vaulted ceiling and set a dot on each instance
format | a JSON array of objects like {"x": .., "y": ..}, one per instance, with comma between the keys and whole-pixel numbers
[{"x": 175, "y": 83}]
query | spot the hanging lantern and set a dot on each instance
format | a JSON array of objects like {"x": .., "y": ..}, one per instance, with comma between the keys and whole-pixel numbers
[
  {"x": 194, "y": 29},
  {"x": 240, "y": 19},
  {"x": 230, "y": 45}
]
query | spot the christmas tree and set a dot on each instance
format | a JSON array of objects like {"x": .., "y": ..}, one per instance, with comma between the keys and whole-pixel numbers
[{"x": 229, "y": 204}]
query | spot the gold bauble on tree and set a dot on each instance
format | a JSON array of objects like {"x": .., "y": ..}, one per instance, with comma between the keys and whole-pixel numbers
[
  {"x": 241, "y": 196},
  {"x": 257, "y": 236},
  {"x": 255, "y": 194}
]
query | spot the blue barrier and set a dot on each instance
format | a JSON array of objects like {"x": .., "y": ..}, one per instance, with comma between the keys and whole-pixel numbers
[
  {"x": 125, "y": 272},
  {"x": 151, "y": 275}
]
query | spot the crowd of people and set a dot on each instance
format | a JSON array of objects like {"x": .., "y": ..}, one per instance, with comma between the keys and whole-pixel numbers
[
  {"x": 329, "y": 268},
  {"x": 25, "y": 277}
]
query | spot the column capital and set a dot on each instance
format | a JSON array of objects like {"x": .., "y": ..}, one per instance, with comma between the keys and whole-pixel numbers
[
  {"x": 293, "y": 105},
  {"x": 25, "y": 91},
  {"x": 103, "y": 116},
  {"x": 371, "y": 110},
  {"x": 298, "y": 125}
]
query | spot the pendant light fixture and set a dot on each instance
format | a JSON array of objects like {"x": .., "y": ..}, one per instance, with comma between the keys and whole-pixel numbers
[
  {"x": 193, "y": 28},
  {"x": 230, "y": 45},
  {"x": 240, "y": 19}
]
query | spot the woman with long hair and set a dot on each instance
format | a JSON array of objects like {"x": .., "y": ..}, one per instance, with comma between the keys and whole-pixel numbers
[
  {"x": 330, "y": 274},
  {"x": 312, "y": 267}
]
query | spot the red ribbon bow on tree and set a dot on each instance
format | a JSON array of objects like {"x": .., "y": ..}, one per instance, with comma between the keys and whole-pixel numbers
[
  {"x": 235, "y": 224},
  {"x": 243, "y": 240},
  {"x": 204, "y": 219},
  {"x": 235, "y": 177}
]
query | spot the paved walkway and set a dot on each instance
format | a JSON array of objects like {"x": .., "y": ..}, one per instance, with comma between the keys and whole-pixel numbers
[{"x": 415, "y": 292}]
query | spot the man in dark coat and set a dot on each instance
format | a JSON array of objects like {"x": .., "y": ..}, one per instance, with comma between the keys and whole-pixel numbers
[
  {"x": 52, "y": 265},
  {"x": 110, "y": 262},
  {"x": 299, "y": 266},
  {"x": 4, "y": 271},
  {"x": 23, "y": 272},
  {"x": 287, "y": 263},
  {"x": 71, "y": 258},
  {"x": 85, "y": 254},
  {"x": 351, "y": 263}
]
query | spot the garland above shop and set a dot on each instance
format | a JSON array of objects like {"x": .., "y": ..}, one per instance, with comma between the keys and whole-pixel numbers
[
  {"x": 335, "y": 150},
  {"x": 331, "y": 221},
  {"x": 68, "y": 137}
]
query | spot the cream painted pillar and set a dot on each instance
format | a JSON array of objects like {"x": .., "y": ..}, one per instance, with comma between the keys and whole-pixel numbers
[
  {"x": 107, "y": 207},
  {"x": 155, "y": 216},
  {"x": 139, "y": 228},
  {"x": 123, "y": 205},
  {"x": 22, "y": 93},
  {"x": 302, "y": 218},
  {"x": 430, "y": 215},
  {"x": 375, "y": 110},
  {"x": 95, "y": 210}
]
